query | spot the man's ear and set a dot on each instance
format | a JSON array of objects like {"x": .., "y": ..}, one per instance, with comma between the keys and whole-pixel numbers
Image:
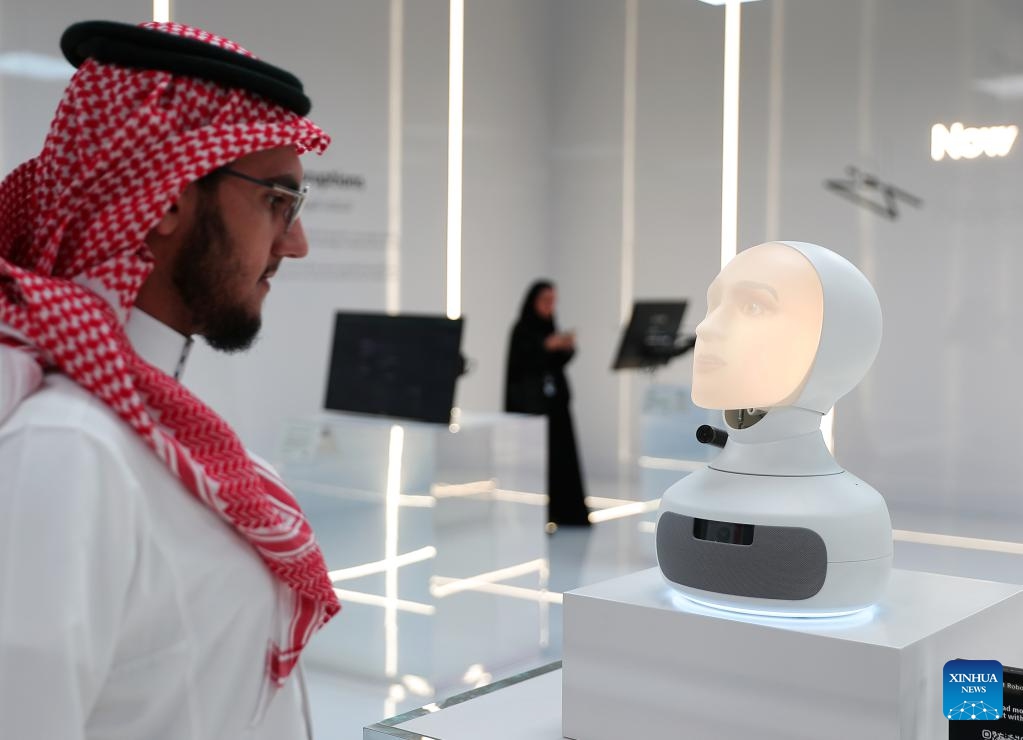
[
  {"x": 177, "y": 217},
  {"x": 167, "y": 225}
]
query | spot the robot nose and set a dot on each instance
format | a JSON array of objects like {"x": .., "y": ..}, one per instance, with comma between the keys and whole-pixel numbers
[{"x": 710, "y": 327}]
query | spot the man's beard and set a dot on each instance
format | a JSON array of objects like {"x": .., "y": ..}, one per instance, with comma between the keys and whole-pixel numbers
[{"x": 203, "y": 275}]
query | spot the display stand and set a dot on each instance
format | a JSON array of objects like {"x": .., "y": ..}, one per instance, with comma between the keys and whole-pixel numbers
[{"x": 642, "y": 661}]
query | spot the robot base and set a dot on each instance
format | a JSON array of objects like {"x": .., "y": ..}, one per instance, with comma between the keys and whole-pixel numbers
[{"x": 816, "y": 545}]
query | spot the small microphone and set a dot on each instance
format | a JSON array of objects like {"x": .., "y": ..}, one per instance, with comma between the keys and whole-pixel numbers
[{"x": 708, "y": 435}]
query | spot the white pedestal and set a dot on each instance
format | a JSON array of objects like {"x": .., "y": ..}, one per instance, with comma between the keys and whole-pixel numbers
[{"x": 640, "y": 661}]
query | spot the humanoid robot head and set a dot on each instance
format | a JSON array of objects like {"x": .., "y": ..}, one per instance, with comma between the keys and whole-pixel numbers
[{"x": 788, "y": 324}]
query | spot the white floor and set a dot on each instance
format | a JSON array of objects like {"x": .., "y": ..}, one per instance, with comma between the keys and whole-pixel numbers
[{"x": 477, "y": 597}]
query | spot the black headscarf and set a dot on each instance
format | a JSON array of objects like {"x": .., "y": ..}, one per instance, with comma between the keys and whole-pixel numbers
[{"x": 528, "y": 317}]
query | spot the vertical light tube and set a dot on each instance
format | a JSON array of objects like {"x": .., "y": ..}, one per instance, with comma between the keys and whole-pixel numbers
[
  {"x": 628, "y": 221},
  {"x": 730, "y": 133},
  {"x": 774, "y": 122},
  {"x": 392, "y": 299},
  {"x": 394, "y": 453},
  {"x": 161, "y": 11},
  {"x": 544, "y": 604},
  {"x": 455, "y": 80}
]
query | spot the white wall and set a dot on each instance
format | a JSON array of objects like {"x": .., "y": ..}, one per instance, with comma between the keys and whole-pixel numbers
[
  {"x": 425, "y": 156},
  {"x": 27, "y": 104},
  {"x": 862, "y": 84},
  {"x": 506, "y": 239},
  {"x": 676, "y": 202},
  {"x": 586, "y": 161},
  {"x": 678, "y": 166}
]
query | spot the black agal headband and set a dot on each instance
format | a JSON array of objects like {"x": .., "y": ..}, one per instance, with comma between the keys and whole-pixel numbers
[{"x": 147, "y": 48}]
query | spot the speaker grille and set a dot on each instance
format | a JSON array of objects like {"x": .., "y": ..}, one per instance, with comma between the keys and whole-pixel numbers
[{"x": 781, "y": 563}]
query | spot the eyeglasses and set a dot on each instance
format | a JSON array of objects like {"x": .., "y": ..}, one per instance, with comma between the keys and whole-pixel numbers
[{"x": 297, "y": 196}]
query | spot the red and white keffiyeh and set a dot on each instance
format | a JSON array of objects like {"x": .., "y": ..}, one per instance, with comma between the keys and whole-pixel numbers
[{"x": 122, "y": 147}]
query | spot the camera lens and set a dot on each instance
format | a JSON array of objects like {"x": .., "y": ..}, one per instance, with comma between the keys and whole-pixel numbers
[{"x": 723, "y": 534}]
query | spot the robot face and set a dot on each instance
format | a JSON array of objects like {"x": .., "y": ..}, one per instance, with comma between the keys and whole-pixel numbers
[{"x": 759, "y": 339}]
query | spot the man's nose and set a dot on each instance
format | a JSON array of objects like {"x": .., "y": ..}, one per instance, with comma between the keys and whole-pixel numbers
[{"x": 292, "y": 243}]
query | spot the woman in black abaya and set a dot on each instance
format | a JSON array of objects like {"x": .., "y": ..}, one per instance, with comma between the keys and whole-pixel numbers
[{"x": 535, "y": 383}]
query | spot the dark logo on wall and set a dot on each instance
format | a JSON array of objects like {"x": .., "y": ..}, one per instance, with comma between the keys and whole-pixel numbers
[{"x": 868, "y": 191}]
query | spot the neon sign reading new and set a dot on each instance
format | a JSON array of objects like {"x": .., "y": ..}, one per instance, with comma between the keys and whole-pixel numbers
[{"x": 969, "y": 142}]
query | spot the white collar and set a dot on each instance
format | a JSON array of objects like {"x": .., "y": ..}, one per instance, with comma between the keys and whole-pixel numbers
[{"x": 157, "y": 343}]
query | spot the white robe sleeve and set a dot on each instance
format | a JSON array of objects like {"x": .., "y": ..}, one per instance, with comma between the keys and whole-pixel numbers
[
  {"x": 67, "y": 555},
  {"x": 19, "y": 378}
]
